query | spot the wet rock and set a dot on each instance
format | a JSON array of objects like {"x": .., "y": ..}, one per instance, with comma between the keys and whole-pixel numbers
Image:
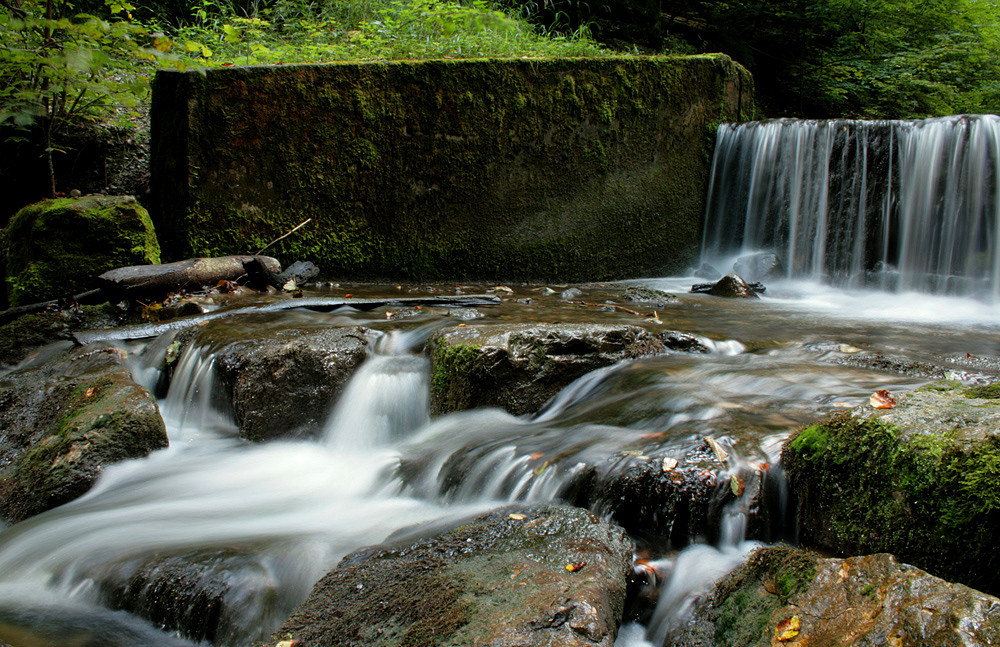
[
  {"x": 63, "y": 421},
  {"x": 708, "y": 272},
  {"x": 917, "y": 480},
  {"x": 281, "y": 381},
  {"x": 301, "y": 272},
  {"x": 571, "y": 293},
  {"x": 57, "y": 247},
  {"x": 465, "y": 314},
  {"x": 519, "y": 367},
  {"x": 730, "y": 286},
  {"x": 866, "y": 600},
  {"x": 206, "y": 595},
  {"x": 757, "y": 267},
  {"x": 552, "y": 575},
  {"x": 654, "y": 298},
  {"x": 22, "y": 336}
]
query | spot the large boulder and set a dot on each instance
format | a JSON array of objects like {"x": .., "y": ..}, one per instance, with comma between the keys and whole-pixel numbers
[
  {"x": 792, "y": 598},
  {"x": 63, "y": 421},
  {"x": 25, "y": 334},
  {"x": 917, "y": 479},
  {"x": 552, "y": 575},
  {"x": 281, "y": 380},
  {"x": 57, "y": 247},
  {"x": 519, "y": 367}
]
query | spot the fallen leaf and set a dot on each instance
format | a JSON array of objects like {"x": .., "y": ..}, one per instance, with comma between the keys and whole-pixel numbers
[
  {"x": 462, "y": 325},
  {"x": 575, "y": 566},
  {"x": 503, "y": 288},
  {"x": 737, "y": 485},
  {"x": 90, "y": 392},
  {"x": 541, "y": 468},
  {"x": 847, "y": 348},
  {"x": 289, "y": 643},
  {"x": 348, "y": 296},
  {"x": 720, "y": 453},
  {"x": 676, "y": 478},
  {"x": 760, "y": 467},
  {"x": 669, "y": 464},
  {"x": 537, "y": 455},
  {"x": 390, "y": 315},
  {"x": 881, "y": 399},
  {"x": 516, "y": 516},
  {"x": 787, "y": 629},
  {"x": 652, "y": 436}
]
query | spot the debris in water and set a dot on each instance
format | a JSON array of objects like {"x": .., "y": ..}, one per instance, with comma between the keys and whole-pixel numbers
[
  {"x": 850, "y": 350},
  {"x": 289, "y": 643},
  {"x": 575, "y": 566},
  {"x": 503, "y": 288},
  {"x": 517, "y": 516},
  {"x": 720, "y": 453},
  {"x": 541, "y": 468},
  {"x": 787, "y": 629},
  {"x": 881, "y": 399},
  {"x": 737, "y": 485},
  {"x": 669, "y": 464}
]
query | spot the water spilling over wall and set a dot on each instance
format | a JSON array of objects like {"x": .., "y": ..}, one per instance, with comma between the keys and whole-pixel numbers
[{"x": 905, "y": 205}]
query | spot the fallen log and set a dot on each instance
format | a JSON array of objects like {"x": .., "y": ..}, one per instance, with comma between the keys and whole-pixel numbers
[
  {"x": 139, "y": 281},
  {"x": 318, "y": 304}
]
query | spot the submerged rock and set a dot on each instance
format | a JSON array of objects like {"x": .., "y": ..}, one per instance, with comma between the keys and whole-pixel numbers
[
  {"x": 654, "y": 298},
  {"x": 281, "y": 381},
  {"x": 757, "y": 267},
  {"x": 211, "y": 595},
  {"x": 790, "y": 597},
  {"x": 730, "y": 286},
  {"x": 918, "y": 480},
  {"x": 552, "y": 575},
  {"x": 63, "y": 421},
  {"x": 519, "y": 367},
  {"x": 57, "y": 247}
]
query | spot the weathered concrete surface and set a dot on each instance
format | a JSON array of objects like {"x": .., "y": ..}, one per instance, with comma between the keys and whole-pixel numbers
[
  {"x": 498, "y": 581},
  {"x": 576, "y": 169},
  {"x": 918, "y": 480},
  {"x": 791, "y": 598},
  {"x": 63, "y": 421}
]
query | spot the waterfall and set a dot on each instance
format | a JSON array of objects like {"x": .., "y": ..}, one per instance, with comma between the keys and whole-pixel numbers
[{"x": 902, "y": 205}]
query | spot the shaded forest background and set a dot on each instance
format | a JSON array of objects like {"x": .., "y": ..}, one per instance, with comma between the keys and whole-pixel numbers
[{"x": 76, "y": 73}]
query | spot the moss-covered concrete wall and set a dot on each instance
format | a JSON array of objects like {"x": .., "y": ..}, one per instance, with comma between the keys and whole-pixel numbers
[{"x": 571, "y": 169}]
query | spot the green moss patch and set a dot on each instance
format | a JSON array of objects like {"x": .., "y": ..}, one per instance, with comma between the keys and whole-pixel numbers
[
  {"x": 574, "y": 169},
  {"x": 58, "y": 247},
  {"x": 929, "y": 495}
]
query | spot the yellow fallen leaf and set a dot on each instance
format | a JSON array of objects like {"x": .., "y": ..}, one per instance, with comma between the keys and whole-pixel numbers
[
  {"x": 850, "y": 350},
  {"x": 737, "y": 485},
  {"x": 720, "y": 453},
  {"x": 516, "y": 516},
  {"x": 787, "y": 629}
]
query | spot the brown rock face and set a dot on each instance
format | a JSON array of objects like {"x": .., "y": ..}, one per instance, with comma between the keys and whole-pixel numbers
[
  {"x": 551, "y": 575},
  {"x": 791, "y": 598}
]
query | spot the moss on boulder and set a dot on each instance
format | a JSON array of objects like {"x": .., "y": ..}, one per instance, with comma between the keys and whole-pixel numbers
[
  {"x": 918, "y": 480},
  {"x": 58, "y": 247},
  {"x": 63, "y": 421},
  {"x": 575, "y": 169},
  {"x": 793, "y": 598}
]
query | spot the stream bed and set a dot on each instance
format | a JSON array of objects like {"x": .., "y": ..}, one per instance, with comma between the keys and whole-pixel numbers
[{"x": 263, "y": 521}]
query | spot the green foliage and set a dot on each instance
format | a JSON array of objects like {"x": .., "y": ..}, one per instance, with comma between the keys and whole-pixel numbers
[
  {"x": 832, "y": 58},
  {"x": 60, "y": 68}
]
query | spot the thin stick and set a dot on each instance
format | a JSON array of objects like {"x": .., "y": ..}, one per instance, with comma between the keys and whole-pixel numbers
[
  {"x": 299, "y": 226},
  {"x": 618, "y": 307}
]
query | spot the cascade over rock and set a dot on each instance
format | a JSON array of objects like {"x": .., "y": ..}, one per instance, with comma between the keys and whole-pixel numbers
[{"x": 908, "y": 205}]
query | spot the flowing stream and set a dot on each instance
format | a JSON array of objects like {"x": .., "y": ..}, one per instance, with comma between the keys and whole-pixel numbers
[{"x": 262, "y": 522}]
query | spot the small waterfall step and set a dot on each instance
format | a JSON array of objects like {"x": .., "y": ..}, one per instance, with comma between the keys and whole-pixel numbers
[{"x": 905, "y": 205}]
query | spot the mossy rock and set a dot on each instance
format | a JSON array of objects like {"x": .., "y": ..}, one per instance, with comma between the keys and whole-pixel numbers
[
  {"x": 66, "y": 419},
  {"x": 58, "y": 247},
  {"x": 919, "y": 480},
  {"x": 791, "y": 597},
  {"x": 531, "y": 576},
  {"x": 519, "y": 367}
]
